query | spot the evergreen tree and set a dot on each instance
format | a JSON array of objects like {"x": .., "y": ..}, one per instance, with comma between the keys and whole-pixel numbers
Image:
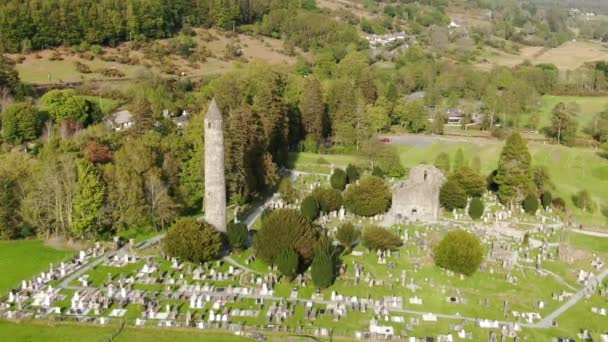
[
  {"x": 513, "y": 174},
  {"x": 476, "y": 208},
  {"x": 347, "y": 234},
  {"x": 370, "y": 197},
  {"x": 338, "y": 179},
  {"x": 89, "y": 200},
  {"x": 313, "y": 110},
  {"x": 352, "y": 174},
  {"x": 193, "y": 241},
  {"x": 530, "y": 204},
  {"x": 323, "y": 270},
  {"x": 442, "y": 162},
  {"x": 310, "y": 208},
  {"x": 237, "y": 234},
  {"x": 460, "y": 252},
  {"x": 459, "y": 161},
  {"x": 473, "y": 184},
  {"x": 287, "y": 262},
  {"x": 452, "y": 196},
  {"x": 380, "y": 238},
  {"x": 546, "y": 199}
]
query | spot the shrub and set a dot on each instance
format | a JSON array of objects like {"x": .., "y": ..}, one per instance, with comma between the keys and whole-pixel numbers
[
  {"x": 310, "y": 144},
  {"x": 377, "y": 172},
  {"x": 472, "y": 183},
  {"x": 287, "y": 262},
  {"x": 370, "y": 197},
  {"x": 238, "y": 235},
  {"x": 530, "y": 204},
  {"x": 329, "y": 199},
  {"x": 192, "y": 241},
  {"x": 546, "y": 198},
  {"x": 352, "y": 173},
  {"x": 310, "y": 208},
  {"x": 323, "y": 270},
  {"x": 338, "y": 179},
  {"x": 287, "y": 191},
  {"x": 558, "y": 203},
  {"x": 347, "y": 235},
  {"x": 583, "y": 201},
  {"x": 460, "y": 252},
  {"x": 82, "y": 68},
  {"x": 476, "y": 208},
  {"x": 379, "y": 238},
  {"x": 452, "y": 196},
  {"x": 285, "y": 228},
  {"x": 442, "y": 162}
]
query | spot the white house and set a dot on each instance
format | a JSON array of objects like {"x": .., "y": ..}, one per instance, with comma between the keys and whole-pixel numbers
[
  {"x": 375, "y": 40},
  {"x": 120, "y": 120}
]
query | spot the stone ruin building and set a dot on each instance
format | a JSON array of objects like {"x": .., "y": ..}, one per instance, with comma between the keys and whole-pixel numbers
[{"x": 417, "y": 199}]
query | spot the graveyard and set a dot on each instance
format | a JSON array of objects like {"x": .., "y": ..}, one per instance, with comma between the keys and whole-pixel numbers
[{"x": 540, "y": 279}]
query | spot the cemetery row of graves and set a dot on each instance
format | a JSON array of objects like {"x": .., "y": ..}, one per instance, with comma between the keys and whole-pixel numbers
[{"x": 531, "y": 283}]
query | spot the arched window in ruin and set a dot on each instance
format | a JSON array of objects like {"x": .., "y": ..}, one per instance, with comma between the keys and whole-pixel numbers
[{"x": 425, "y": 175}]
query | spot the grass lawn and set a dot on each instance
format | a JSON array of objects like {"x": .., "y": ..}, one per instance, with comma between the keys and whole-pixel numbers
[
  {"x": 21, "y": 260},
  {"x": 107, "y": 105},
  {"x": 589, "y": 107},
  {"x": 50, "y": 332},
  {"x": 571, "y": 169}
]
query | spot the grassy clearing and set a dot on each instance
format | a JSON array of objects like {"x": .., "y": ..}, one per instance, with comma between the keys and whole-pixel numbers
[
  {"x": 589, "y": 106},
  {"x": 107, "y": 105},
  {"x": 22, "y": 259},
  {"x": 51, "y": 332},
  {"x": 568, "y": 56}
]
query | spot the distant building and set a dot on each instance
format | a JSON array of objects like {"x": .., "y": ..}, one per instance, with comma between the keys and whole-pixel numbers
[
  {"x": 376, "y": 40},
  {"x": 454, "y": 24},
  {"x": 120, "y": 120}
]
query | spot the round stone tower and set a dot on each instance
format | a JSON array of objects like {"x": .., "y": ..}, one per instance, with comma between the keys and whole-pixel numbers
[{"x": 215, "y": 179}]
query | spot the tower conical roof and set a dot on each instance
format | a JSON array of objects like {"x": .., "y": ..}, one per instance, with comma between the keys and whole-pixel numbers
[{"x": 213, "y": 113}]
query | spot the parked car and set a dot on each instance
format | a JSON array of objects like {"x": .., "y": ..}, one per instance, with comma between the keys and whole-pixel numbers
[{"x": 385, "y": 140}]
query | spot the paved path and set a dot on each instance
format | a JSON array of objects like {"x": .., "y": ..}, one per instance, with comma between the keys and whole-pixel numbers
[
  {"x": 589, "y": 232},
  {"x": 546, "y": 322}
]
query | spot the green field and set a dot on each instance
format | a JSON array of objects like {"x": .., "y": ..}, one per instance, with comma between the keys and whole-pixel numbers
[
  {"x": 589, "y": 107},
  {"x": 21, "y": 260},
  {"x": 37, "y": 71},
  {"x": 50, "y": 332},
  {"x": 571, "y": 169}
]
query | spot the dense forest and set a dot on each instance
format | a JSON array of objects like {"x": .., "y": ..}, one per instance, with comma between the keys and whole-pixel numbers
[{"x": 36, "y": 24}]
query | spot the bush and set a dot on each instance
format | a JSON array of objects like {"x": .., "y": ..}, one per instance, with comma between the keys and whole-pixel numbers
[
  {"x": 377, "y": 172},
  {"x": 347, "y": 234},
  {"x": 476, "y": 208},
  {"x": 238, "y": 235},
  {"x": 442, "y": 162},
  {"x": 583, "y": 201},
  {"x": 287, "y": 191},
  {"x": 546, "y": 198},
  {"x": 370, "y": 197},
  {"x": 193, "y": 241},
  {"x": 310, "y": 144},
  {"x": 329, "y": 199},
  {"x": 460, "y": 252},
  {"x": 452, "y": 196},
  {"x": 287, "y": 262},
  {"x": 379, "y": 238},
  {"x": 282, "y": 229},
  {"x": 558, "y": 203},
  {"x": 82, "y": 68},
  {"x": 352, "y": 174},
  {"x": 323, "y": 270},
  {"x": 472, "y": 183},
  {"x": 310, "y": 208},
  {"x": 338, "y": 179},
  {"x": 530, "y": 204}
]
